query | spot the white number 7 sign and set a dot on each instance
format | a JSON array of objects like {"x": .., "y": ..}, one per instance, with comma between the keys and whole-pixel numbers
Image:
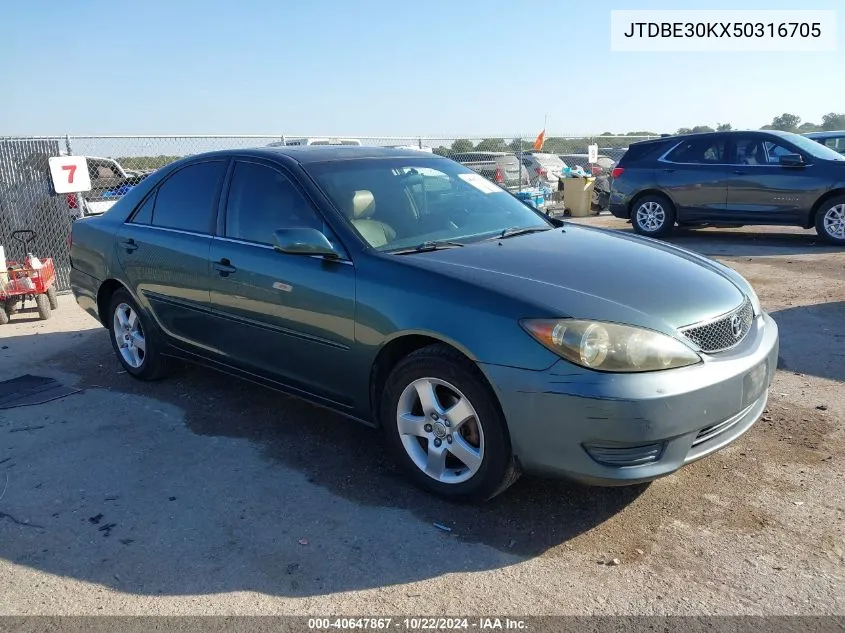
[{"x": 70, "y": 174}]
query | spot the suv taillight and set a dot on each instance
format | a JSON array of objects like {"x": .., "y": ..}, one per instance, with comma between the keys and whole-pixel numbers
[
  {"x": 617, "y": 171},
  {"x": 72, "y": 202},
  {"x": 500, "y": 175},
  {"x": 542, "y": 173}
]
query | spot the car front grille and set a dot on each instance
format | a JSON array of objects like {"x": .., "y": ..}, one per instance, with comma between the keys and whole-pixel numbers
[{"x": 724, "y": 332}]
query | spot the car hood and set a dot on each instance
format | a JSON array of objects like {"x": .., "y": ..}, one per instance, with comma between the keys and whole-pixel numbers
[{"x": 596, "y": 274}]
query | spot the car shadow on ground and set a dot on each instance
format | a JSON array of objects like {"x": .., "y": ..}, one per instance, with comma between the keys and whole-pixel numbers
[
  {"x": 819, "y": 327},
  {"x": 736, "y": 242},
  {"x": 150, "y": 488}
]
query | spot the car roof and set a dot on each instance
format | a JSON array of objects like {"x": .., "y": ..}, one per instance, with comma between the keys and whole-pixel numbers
[
  {"x": 825, "y": 134},
  {"x": 679, "y": 137},
  {"x": 306, "y": 154}
]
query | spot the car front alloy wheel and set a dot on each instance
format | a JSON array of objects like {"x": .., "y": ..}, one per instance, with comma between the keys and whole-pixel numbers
[
  {"x": 444, "y": 426},
  {"x": 440, "y": 430}
]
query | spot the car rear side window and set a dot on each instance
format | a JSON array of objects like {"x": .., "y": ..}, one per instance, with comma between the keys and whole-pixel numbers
[
  {"x": 144, "y": 214},
  {"x": 186, "y": 200},
  {"x": 700, "y": 151},
  {"x": 263, "y": 200},
  {"x": 635, "y": 152}
]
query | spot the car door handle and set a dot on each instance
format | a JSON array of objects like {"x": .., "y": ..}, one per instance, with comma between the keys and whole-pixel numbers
[
  {"x": 739, "y": 172},
  {"x": 224, "y": 267},
  {"x": 129, "y": 244}
]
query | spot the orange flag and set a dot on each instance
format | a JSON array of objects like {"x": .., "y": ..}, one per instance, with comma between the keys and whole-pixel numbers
[{"x": 541, "y": 138}]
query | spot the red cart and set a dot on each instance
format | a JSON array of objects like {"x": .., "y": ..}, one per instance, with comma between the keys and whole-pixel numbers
[{"x": 29, "y": 278}]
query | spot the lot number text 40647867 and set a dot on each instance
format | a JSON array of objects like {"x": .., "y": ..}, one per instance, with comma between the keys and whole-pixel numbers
[{"x": 418, "y": 624}]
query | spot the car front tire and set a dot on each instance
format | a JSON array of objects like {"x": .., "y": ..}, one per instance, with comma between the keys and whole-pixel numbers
[
  {"x": 653, "y": 215},
  {"x": 830, "y": 221},
  {"x": 444, "y": 426},
  {"x": 134, "y": 339}
]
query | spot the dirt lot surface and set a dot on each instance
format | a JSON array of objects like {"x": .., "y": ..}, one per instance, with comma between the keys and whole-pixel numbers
[{"x": 203, "y": 494}]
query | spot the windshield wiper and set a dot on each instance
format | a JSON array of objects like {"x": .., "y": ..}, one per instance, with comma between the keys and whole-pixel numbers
[
  {"x": 517, "y": 230},
  {"x": 432, "y": 245}
]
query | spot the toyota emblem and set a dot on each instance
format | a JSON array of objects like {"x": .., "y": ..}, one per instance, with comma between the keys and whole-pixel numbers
[{"x": 736, "y": 326}]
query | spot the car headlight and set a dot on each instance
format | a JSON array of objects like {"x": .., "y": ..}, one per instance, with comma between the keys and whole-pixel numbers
[{"x": 610, "y": 347}]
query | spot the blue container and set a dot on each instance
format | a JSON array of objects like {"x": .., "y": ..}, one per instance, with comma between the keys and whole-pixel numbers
[{"x": 534, "y": 197}]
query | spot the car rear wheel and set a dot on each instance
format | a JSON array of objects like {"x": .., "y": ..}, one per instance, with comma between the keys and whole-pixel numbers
[
  {"x": 445, "y": 428},
  {"x": 653, "y": 215},
  {"x": 830, "y": 220},
  {"x": 134, "y": 339}
]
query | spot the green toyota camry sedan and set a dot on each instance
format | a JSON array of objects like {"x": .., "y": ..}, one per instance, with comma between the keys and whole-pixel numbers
[{"x": 409, "y": 293}]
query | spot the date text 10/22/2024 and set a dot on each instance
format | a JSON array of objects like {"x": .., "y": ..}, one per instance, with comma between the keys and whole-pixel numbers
[{"x": 418, "y": 624}]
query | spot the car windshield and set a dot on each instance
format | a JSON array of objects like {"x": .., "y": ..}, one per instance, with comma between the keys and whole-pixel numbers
[
  {"x": 401, "y": 203},
  {"x": 814, "y": 148}
]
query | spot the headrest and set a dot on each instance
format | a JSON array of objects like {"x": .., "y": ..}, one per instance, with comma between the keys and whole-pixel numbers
[{"x": 363, "y": 205}]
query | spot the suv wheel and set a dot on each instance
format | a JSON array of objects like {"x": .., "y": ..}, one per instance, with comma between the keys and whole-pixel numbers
[
  {"x": 830, "y": 221},
  {"x": 653, "y": 215}
]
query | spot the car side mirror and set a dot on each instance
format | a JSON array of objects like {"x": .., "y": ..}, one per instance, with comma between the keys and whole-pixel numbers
[
  {"x": 792, "y": 160},
  {"x": 303, "y": 241}
]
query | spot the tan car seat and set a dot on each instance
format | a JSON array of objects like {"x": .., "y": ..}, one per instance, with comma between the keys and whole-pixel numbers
[{"x": 374, "y": 232}]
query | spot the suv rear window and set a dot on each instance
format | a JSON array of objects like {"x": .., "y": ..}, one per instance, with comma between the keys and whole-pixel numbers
[{"x": 638, "y": 151}]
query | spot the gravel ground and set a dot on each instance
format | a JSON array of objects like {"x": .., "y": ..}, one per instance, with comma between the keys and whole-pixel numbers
[{"x": 207, "y": 495}]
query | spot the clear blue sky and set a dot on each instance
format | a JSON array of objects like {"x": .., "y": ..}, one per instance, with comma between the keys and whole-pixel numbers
[{"x": 374, "y": 67}]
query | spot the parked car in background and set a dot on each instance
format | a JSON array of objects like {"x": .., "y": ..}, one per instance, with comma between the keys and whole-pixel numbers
[
  {"x": 296, "y": 142},
  {"x": 416, "y": 148},
  {"x": 603, "y": 166},
  {"x": 544, "y": 169},
  {"x": 109, "y": 182},
  {"x": 500, "y": 167},
  {"x": 731, "y": 179},
  {"x": 834, "y": 140},
  {"x": 478, "y": 336}
]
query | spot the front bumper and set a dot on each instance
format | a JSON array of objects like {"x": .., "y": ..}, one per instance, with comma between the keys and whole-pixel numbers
[{"x": 616, "y": 429}]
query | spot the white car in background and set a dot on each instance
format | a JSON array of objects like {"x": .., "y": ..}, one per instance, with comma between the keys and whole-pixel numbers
[
  {"x": 429, "y": 150},
  {"x": 293, "y": 142},
  {"x": 544, "y": 170}
]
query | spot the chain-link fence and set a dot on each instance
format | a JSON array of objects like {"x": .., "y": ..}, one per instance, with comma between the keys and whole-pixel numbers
[{"x": 117, "y": 163}]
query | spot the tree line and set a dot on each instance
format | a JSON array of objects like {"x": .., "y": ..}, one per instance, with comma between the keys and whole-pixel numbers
[{"x": 785, "y": 122}]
